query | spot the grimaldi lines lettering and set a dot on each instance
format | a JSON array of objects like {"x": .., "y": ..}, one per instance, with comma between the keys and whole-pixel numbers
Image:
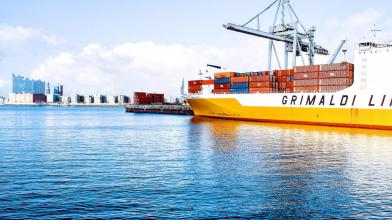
[{"x": 336, "y": 100}]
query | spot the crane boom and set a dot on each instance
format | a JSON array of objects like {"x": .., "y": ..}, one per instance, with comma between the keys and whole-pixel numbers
[
  {"x": 275, "y": 37},
  {"x": 296, "y": 40},
  {"x": 335, "y": 55}
]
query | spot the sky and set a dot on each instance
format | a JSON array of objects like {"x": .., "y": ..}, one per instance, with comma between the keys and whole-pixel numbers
[{"x": 122, "y": 46}]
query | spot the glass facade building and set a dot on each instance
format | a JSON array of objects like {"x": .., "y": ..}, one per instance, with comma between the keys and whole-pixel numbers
[{"x": 25, "y": 85}]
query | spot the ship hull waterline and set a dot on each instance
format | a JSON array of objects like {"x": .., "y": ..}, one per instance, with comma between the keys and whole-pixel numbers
[{"x": 231, "y": 109}]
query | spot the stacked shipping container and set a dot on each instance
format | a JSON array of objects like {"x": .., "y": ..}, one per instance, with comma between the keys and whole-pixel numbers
[
  {"x": 240, "y": 84},
  {"x": 316, "y": 78},
  {"x": 336, "y": 77},
  {"x": 262, "y": 83},
  {"x": 323, "y": 78},
  {"x": 222, "y": 82},
  {"x": 285, "y": 80},
  {"x": 142, "y": 98},
  {"x": 196, "y": 86}
]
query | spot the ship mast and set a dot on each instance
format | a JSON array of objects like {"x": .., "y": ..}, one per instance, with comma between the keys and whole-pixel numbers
[{"x": 291, "y": 32}]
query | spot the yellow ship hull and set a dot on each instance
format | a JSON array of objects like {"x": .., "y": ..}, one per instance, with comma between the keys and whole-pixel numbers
[{"x": 230, "y": 108}]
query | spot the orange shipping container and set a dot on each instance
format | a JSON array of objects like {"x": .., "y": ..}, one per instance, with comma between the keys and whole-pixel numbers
[
  {"x": 260, "y": 85},
  {"x": 260, "y": 90},
  {"x": 224, "y": 75},
  {"x": 208, "y": 82},
  {"x": 288, "y": 72},
  {"x": 265, "y": 78},
  {"x": 239, "y": 79}
]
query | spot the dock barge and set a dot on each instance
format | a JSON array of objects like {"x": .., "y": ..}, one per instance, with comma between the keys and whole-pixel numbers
[{"x": 160, "y": 109}]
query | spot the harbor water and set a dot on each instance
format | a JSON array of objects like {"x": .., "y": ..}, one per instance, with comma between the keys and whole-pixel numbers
[{"x": 86, "y": 162}]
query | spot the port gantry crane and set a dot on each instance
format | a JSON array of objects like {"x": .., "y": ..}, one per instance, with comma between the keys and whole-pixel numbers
[{"x": 293, "y": 34}]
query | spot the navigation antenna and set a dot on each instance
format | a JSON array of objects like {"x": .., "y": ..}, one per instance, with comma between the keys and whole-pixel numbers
[
  {"x": 375, "y": 31},
  {"x": 291, "y": 32}
]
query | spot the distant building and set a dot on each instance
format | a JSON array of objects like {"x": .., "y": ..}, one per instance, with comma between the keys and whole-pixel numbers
[
  {"x": 99, "y": 99},
  {"x": 75, "y": 99},
  {"x": 123, "y": 99},
  {"x": 25, "y": 85},
  {"x": 65, "y": 99},
  {"x": 58, "y": 90},
  {"x": 26, "y": 98},
  {"x": 112, "y": 99},
  {"x": 89, "y": 99}
]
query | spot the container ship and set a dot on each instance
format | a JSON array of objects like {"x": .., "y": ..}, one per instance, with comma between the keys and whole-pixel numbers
[{"x": 343, "y": 94}]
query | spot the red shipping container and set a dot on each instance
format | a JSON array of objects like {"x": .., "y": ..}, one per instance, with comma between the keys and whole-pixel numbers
[
  {"x": 336, "y": 82},
  {"x": 195, "y": 83},
  {"x": 332, "y": 88},
  {"x": 289, "y": 90},
  {"x": 286, "y": 85},
  {"x": 239, "y": 79},
  {"x": 260, "y": 84},
  {"x": 224, "y": 75},
  {"x": 306, "y": 82},
  {"x": 309, "y": 75},
  {"x": 222, "y": 86},
  {"x": 156, "y": 98},
  {"x": 285, "y": 78},
  {"x": 337, "y": 67},
  {"x": 221, "y": 91},
  {"x": 195, "y": 87},
  {"x": 307, "y": 69},
  {"x": 336, "y": 74}
]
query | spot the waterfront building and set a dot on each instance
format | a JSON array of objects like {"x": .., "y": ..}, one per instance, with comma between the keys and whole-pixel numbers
[
  {"x": 112, "y": 99},
  {"x": 65, "y": 99},
  {"x": 89, "y": 99},
  {"x": 26, "y": 98},
  {"x": 75, "y": 99},
  {"x": 25, "y": 85},
  {"x": 99, "y": 99},
  {"x": 58, "y": 90},
  {"x": 123, "y": 99}
]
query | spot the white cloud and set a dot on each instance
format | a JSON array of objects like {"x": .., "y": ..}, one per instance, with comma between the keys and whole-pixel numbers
[
  {"x": 53, "y": 40},
  {"x": 144, "y": 66},
  {"x": 15, "y": 34}
]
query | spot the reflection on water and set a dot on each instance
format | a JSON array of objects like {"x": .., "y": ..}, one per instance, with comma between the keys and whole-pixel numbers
[
  {"x": 308, "y": 171},
  {"x": 103, "y": 163}
]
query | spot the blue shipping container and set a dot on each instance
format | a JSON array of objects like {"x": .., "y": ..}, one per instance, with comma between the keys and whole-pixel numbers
[
  {"x": 242, "y": 85},
  {"x": 222, "y": 81},
  {"x": 244, "y": 90}
]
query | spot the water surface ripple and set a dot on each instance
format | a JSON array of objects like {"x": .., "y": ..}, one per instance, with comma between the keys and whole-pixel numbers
[{"x": 103, "y": 163}]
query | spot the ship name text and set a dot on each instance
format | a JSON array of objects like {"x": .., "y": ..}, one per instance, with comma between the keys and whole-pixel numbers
[{"x": 336, "y": 100}]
